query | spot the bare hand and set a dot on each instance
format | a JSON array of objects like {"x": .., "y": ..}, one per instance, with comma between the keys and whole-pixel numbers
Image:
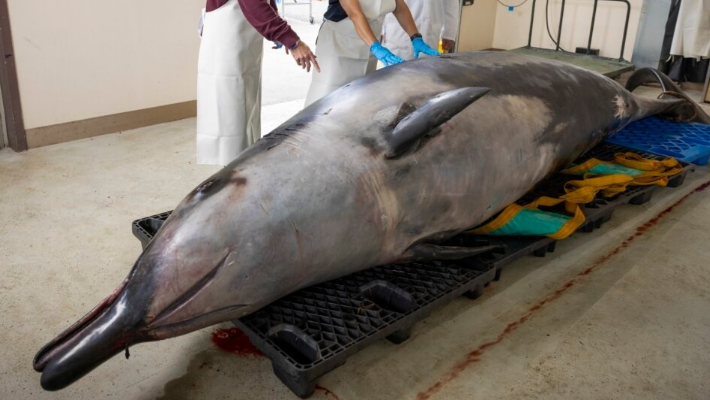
[
  {"x": 448, "y": 45},
  {"x": 304, "y": 57}
]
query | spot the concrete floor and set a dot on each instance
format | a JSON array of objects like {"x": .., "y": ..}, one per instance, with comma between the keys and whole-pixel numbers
[{"x": 635, "y": 326}]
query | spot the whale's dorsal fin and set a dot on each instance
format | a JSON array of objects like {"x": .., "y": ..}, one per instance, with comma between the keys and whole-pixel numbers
[{"x": 423, "y": 121}]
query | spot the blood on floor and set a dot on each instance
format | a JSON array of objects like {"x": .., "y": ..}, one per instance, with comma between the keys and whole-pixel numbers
[{"x": 233, "y": 340}]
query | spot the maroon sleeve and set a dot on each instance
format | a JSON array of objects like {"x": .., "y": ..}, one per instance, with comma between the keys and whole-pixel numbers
[
  {"x": 214, "y": 4},
  {"x": 264, "y": 17}
]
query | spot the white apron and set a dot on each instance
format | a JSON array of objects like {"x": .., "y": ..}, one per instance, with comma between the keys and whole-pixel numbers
[
  {"x": 434, "y": 19},
  {"x": 228, "y": 85},
  {"x": 691, "y": 38},
  {"x": 341, "y": 53}
]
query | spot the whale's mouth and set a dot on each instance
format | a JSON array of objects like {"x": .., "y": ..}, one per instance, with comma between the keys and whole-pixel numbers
[
  {"x": 64, "y": 339},
  {"x": 228, "y": 313},
  {"x": 123, "y": 319}
]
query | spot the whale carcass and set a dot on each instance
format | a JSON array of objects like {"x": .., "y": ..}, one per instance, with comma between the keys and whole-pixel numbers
[{"x": 380, "y": 171}]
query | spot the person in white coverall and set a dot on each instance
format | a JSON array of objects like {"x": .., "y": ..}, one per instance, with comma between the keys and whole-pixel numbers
[
  {"x": 692, "y": 31},
  {"x": 436, "y": 19},
  {"x": 229, "y": 73},
  {"x": 348, "y": 48}
]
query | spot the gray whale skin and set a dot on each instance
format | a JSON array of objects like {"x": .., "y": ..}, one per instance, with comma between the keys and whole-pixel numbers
[{"x": 381, "y": 170}]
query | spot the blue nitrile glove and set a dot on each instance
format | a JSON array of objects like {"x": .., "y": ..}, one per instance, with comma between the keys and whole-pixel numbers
[
  {"x": 421, "y": 47},
  {"x": 383, "y": 54},
  {"x": 277, "y": 45}
]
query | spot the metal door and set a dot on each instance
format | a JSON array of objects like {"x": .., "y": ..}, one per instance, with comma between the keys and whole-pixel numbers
[{"x": 649, "y": 37}]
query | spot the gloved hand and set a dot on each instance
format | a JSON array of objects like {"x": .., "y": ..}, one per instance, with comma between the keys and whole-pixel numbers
[
  {"x": 383, "y": 54},
  {"x": 421, "y": 47}
]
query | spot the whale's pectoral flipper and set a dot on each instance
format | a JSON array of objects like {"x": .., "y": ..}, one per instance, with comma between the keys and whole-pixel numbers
[
  {"x": 425, "y": 251},
  {"x": 423, "y": 122}
]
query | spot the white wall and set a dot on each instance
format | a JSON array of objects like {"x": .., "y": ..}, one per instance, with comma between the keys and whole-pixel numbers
[
  {"x": 511, "y": 28},
  {"x": 78, "y": 59},
  {"x": 477, "y": 25}
]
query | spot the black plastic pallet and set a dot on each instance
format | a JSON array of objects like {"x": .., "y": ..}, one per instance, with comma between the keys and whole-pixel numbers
[{"x": 313, "y": 331}]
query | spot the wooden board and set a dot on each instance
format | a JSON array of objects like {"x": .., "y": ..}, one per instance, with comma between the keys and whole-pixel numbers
[{"x": 10, "y": 91}]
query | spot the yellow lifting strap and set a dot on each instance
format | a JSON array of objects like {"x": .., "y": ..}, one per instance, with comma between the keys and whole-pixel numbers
[
  {"x": 583, "y": 191},
  {"x": 655, "y": 172},
  {"x": 514, "y": 209}
]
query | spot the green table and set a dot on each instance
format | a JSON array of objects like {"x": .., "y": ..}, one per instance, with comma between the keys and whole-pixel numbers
[{"x": 605, "y": 66}]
